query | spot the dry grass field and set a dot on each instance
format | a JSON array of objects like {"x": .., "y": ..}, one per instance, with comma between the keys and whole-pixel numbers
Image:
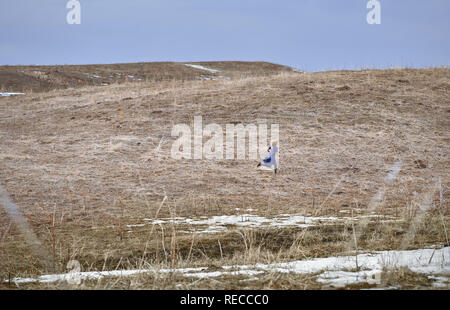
[
  {"x": 364, "y": 167},
  {"x": 30, "y": 79}
]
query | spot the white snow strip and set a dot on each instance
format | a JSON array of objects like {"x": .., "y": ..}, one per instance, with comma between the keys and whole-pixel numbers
[
  {"x": 215, "y": 274},
  {"x": 335, "y": 271},
  {"x": 10, "y": 94},
  {"x": 137, "y": 225},
  {"x": 423, "y": 261},
  {"x": 221, "y": 223},
  {"x": 202, "y": 68},
  {"x": 344, "y": 278},
  {"x": 93, "y": 275}
]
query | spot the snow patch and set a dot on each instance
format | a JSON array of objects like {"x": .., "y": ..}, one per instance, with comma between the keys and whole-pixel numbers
[
  {"x": 202, "y": 68},
  {"x": 334, "y": 271},
  {"x": 220, "y": 223},
  {"x": 10, "y": 94},
  {"x": 344, "y": 278},
  {"x": 215, "y": 274}
]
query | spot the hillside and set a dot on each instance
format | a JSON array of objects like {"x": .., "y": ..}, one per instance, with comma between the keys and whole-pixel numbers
[
  {"x": 45, "y": 78},
  {"x": 90, "y": 168}
]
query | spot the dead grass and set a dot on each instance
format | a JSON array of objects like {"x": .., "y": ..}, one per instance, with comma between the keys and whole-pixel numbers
[
  {"x": 31, "y": 79},
  {"x": 404, "y": 277},
  {"x": 80, "y": 164}
]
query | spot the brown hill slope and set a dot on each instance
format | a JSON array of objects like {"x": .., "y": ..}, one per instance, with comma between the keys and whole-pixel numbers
[
  {"x": 89, "y": 166},
  {"x": 44, "y": 78}
]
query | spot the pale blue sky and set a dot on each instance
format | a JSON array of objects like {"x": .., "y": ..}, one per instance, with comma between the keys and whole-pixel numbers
[{"x": 311, "y": 35}]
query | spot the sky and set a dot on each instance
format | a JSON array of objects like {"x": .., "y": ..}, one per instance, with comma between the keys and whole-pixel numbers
[{"x": 310, "y": 35}]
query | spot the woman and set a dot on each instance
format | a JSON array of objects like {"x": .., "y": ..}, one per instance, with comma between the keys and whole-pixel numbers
[{"x": 271, "y": 160}]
